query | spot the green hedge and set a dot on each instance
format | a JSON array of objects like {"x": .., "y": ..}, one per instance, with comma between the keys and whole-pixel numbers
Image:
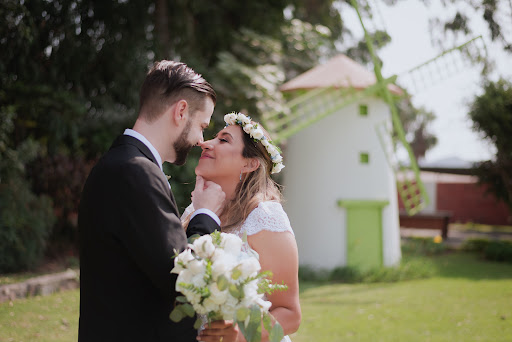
[
  {"x": 494, "y": 250},
  {"x": 25, "y": 222}
]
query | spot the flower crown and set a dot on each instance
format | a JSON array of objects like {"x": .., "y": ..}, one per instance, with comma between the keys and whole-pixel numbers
[{"x": 258, "y": 136}]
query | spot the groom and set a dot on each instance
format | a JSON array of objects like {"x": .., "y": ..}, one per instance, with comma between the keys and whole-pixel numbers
[{"x": 128, "y": 218}]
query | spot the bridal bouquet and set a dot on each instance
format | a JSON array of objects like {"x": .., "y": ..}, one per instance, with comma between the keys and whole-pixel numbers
[{"x": 222, "y": 282}]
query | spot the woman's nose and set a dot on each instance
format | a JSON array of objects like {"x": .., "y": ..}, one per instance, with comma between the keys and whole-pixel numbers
[{"x": 206, "y": 145}]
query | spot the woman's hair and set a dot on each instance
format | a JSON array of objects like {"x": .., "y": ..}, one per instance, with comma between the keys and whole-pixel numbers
[{"x": 255, "y": 187}]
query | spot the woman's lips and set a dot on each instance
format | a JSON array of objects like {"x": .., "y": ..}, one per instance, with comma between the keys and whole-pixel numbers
[{"x": 206, "y": 156}]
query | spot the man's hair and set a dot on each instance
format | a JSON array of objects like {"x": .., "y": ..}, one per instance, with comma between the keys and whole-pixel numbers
[{"x": 168, "y": 82}]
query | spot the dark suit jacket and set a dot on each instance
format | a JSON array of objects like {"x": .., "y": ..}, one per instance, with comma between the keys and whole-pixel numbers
[{"x": 129, "y": 226}]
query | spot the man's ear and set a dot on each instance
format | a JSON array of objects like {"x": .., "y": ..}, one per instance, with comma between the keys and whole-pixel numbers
[
  {"x": 179, "y": 112},
  {"x": 251, "y": 165}
]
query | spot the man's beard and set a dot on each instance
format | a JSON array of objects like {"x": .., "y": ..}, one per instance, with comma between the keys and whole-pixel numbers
[{"x": 182, "y": 146}]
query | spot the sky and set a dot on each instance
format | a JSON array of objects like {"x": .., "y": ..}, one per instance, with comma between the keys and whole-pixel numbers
[{"x": 408, "y": 25}]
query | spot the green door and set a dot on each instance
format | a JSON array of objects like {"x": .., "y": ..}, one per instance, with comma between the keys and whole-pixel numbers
[{"x": 364, "y": 232}]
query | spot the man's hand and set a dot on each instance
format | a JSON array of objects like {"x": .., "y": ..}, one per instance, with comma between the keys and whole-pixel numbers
[
  {"x": 224, "y": 331},
  {"x": 208, "y": 195}
]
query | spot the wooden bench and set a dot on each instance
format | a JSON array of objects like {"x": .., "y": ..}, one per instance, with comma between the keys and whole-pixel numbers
[{"x": 427, "y": 220}]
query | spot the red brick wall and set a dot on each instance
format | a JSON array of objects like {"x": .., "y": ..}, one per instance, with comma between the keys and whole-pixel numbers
[{"x": 469, "y": 203}]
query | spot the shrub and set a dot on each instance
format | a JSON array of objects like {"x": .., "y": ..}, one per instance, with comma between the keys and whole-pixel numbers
[
  {"x": 475, "y": 245},
  {"x": 422, "y": 246},
  {"x": 309, "y": 273},
  {"x": 490, "y": 250},
  {"x": 407, "y": 270},
  {"x": 416, "y": 268},
  {"x": 498, "y": 251},
  {"x": 25, "y": 222}
]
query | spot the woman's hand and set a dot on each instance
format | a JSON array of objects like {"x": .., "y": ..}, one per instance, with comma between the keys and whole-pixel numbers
[{"x": 221, "y": 331}]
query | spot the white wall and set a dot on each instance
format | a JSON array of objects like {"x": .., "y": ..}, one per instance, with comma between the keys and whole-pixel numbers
[{"x": 322, "y": 166}]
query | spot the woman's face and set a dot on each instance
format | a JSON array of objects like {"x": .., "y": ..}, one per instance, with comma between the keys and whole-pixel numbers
[{"x": 221, "y": 158}]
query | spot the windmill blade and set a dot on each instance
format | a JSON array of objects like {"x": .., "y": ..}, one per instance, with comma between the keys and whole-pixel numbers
[
  {"x": 410, "y": 188},
  {"x": 411, "y": 192},
  {"x": 443, "y": 66}
]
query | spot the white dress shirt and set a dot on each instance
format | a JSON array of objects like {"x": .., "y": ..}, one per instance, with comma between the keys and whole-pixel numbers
[{"x": 155, "y": 153}]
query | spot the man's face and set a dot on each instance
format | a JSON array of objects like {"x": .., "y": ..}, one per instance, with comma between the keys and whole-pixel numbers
[{"x": 192, "y": 134}]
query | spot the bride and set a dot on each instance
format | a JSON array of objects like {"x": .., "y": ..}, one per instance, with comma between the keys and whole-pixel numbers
[{"x": 241, "y": 159}]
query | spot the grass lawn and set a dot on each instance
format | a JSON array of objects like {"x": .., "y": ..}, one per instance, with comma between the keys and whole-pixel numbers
[
  {"x": 51, "y": 318},
  {"x": 467, "y": 300}
]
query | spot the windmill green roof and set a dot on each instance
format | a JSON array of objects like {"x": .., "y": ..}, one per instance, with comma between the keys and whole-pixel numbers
[{"x": 339, "y": 72}]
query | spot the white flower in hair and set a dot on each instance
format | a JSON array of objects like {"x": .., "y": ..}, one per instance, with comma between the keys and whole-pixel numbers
[
  {"x": 277, "y": 159},
  {"x": 247, "y": 128},
  {"x": 272, "y": 151},
  {"x": 244, "y": 119},
  {"x": 230, "y": 118},
  {"x": 277, "y": 168},
  {"x": 257, "y": 134}
]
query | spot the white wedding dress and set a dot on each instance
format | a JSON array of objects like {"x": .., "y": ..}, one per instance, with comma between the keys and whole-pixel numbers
[{"x": 268, "y": 216}]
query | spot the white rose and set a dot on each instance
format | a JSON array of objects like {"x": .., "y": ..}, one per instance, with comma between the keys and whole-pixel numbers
[
  {"x": 251, "y": 295},
  {"x": 277, "y": 168},
  {"x": 277, "y": 159},
  {"x": 223, "y": 265},
  {"x": 230, "y": 119},
  {"x": 229, "y": 308},
  {"x": 197, "y": 266},
  {"x": 231, "y": 243},
  {"x": 203, "y": 246},
  {"x": 183, "y": 258},
  {"x": 265, "y": 142},
  {"x": 198, "y": 280},
  {"x": 217, "y": 296},
  {"x": 247, "y": 128},
  {"x": 199, "y": 309},
  {"x": 185, "y": 276},
  {"x": 264, "y": 304},
  {"x": 210, "y": 305},
  {"x": 257, "y": 134},
  {"x": 219, "y": 268},
  {"x": 272, "y": 150},
  {"x": 251, "y": 291},
  {"x": 249, "y": 267},
  {"x": 244, "y": 119},
  {"x": 218, "y": 254},
  {"x": 192, "y": 296}
]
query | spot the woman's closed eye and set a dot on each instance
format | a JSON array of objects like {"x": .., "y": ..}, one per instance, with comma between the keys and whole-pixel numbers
[{"x": 223, "y": 140}]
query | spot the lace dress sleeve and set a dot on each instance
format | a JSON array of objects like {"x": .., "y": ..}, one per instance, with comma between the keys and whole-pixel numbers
[
  {"x": 188, "y": 211},
  {"x": 268, "y": 216}
]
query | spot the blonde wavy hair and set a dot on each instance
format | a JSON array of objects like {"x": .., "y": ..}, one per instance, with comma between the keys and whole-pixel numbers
[{"x": 255, "y": 187}]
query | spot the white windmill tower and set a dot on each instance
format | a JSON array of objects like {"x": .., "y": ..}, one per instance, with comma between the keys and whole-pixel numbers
[{"x": 340, "y": 185}]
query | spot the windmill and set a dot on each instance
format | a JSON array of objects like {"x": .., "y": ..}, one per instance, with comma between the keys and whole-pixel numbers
[{"x": 353, "y": 220}]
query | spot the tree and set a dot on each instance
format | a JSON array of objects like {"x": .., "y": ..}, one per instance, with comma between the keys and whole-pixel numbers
[
  {"x": 491, "y": 11},
  {"x": 70, "y": 72},
  {"x": 491, "y": 114},
  {"x": 416, "y": 122}
]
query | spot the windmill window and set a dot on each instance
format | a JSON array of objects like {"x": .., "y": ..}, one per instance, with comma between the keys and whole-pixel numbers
[
  {"x": 364, "y": 158},
  {"x": 363, "y": 110}
]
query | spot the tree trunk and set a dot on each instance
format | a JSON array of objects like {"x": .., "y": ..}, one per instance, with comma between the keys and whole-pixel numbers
[{"x": 162, "y": 33}]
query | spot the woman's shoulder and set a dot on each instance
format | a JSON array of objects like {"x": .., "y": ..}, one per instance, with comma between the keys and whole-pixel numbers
[{"x": 268, "y": 216}]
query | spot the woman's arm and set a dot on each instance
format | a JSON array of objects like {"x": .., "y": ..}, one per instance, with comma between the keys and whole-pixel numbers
[{"x": 278, "y": 254}]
